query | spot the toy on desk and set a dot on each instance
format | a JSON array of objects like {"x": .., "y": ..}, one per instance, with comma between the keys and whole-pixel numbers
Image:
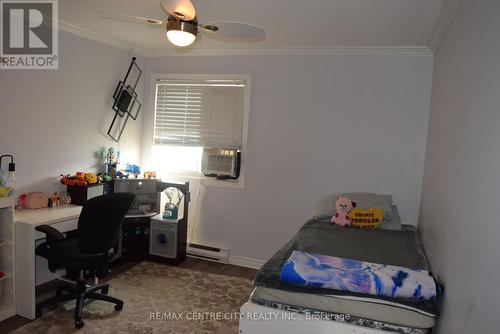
[
  {"x": 112, "y": 161},
  {"x": 133, "y": 169},
  {"x": 171, "y": 210},
  {"x": 59, "y": 199},
  {"x": 104, "y": 178},
  {"x": 111, "y": 156},
  {"x": 121, "y": 175},
  {"x": 150, "y": 175},
  {"x": 343, "y": 205},
  {"x": 91, "y": 178},
  {"x": 21, "y": 200},
  {"x": 130, "y": 169},
  {"x": 56, "y": 200},
  {"x": 65, "y": 198},
  {"x": 79, "y": 179},
  {"x": 73, "y": 180}
]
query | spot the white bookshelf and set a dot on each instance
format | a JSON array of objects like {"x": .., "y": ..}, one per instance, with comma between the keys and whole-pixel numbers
[{"x": 7, "y": 289}]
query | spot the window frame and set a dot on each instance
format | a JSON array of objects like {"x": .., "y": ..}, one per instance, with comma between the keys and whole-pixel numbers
[{"x": 208, "y": 181}]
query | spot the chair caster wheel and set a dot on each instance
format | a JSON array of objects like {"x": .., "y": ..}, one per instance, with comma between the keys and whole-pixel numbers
[
  {"x": 105, "y": 291},
  {"x": 79, "y": 324},
  {"x": 118, "y": 307}
]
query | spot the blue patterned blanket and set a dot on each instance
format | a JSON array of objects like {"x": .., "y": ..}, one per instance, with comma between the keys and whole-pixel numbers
[{"x": 322, "y": 271}]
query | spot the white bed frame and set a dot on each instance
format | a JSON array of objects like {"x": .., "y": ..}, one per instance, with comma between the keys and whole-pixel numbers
[{"x": 257, "y": 319}]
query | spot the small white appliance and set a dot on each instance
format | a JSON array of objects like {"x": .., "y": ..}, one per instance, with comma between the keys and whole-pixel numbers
[{"x": 163, "y": 237}]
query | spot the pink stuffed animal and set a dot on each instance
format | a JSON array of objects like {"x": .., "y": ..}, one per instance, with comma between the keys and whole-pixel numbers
[{"x": 341, "y": 217}]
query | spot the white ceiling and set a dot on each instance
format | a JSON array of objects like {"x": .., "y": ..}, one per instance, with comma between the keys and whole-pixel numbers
[{"x": 298, "y": 24}]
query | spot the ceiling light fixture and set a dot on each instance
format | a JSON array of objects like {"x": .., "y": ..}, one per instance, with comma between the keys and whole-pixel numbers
[{"x": 181, "y": 33}]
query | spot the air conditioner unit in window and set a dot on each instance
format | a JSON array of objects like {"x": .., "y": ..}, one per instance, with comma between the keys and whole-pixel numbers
[{"x": 222, "y": 163}]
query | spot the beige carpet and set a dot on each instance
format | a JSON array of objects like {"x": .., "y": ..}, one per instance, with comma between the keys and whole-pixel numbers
[{"x": 199, "y": 302}]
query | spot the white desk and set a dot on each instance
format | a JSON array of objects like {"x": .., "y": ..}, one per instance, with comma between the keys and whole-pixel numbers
[{"x": 64, "y": 219}]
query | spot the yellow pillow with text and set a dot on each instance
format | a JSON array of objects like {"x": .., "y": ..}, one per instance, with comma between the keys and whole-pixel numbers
[{"x": 368, "y": 219}]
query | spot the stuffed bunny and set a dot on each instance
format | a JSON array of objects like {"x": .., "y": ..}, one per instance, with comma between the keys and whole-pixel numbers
[{"x": 343, "y": 205}]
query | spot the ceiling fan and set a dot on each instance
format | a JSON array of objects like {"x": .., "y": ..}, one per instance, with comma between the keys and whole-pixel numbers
[{"x": 182, "y": 25}]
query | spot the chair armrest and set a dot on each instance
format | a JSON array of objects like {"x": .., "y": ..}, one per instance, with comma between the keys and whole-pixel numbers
[
  {"x": 51, "y": 233},
  {"x": 45, "y": 249}
]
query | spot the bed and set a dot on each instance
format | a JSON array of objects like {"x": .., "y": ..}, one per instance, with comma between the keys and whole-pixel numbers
[{"x": 277, "y": 307}]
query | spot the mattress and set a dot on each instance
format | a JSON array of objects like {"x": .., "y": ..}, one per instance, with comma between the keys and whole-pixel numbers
[
  {"x": 398, "y": 248},
  {"x": 389, "y": 313}
]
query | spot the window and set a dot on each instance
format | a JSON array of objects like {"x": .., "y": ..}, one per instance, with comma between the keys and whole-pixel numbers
[
  {"x": 174, "y": 159},
  {"x": 193, "y": 112}
]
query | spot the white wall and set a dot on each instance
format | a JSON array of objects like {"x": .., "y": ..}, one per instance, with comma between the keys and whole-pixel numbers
[
  {"x": 53, "y": 121},
  {"x": 461, "y": 193},
  {"x": 317, "y": 125}
]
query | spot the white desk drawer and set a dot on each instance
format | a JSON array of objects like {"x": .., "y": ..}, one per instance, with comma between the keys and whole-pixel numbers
[{"x": 63, "y": 227}]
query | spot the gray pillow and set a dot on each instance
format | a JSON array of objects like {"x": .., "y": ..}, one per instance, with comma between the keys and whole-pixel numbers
[
  {"x": 363, "y": 201},
  {"x": 394, "y": 223}
]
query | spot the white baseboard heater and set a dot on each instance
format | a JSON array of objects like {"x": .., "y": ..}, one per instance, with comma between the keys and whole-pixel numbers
[{"x": 208, "y": 253}]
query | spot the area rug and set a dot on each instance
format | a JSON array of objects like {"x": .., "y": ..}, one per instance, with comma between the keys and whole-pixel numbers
[{"x": 158, "y": 299}]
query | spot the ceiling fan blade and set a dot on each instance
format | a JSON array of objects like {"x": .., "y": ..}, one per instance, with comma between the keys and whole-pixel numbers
[
  {"x": 133, "y": 19},
  {"x": 182, "y": 9},
  {"x": 228, "y": 31}
]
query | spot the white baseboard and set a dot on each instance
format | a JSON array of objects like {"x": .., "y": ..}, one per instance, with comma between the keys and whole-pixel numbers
[{"x": 245, "y": 262}]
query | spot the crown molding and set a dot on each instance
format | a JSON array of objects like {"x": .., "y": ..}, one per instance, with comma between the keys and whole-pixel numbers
[
  {"x": 448, "y": 12},
  {"x": 296, "y": 51},
  {"x": 256, "y": 51},
  {"x": 110, "y": 41}
]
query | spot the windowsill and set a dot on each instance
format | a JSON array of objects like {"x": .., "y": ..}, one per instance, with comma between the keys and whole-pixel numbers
[
  {"x": 206, "y": 181},
  {"x": 230, "y": 184},
  {"x": 180, "y": 174}
]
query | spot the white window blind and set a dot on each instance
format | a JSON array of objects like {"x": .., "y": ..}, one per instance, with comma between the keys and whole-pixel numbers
[{"x": 199, "y": 112}]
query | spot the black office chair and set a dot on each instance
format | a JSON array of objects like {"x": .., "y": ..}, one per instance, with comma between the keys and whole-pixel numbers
[{"x": 98, "y": 232}]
